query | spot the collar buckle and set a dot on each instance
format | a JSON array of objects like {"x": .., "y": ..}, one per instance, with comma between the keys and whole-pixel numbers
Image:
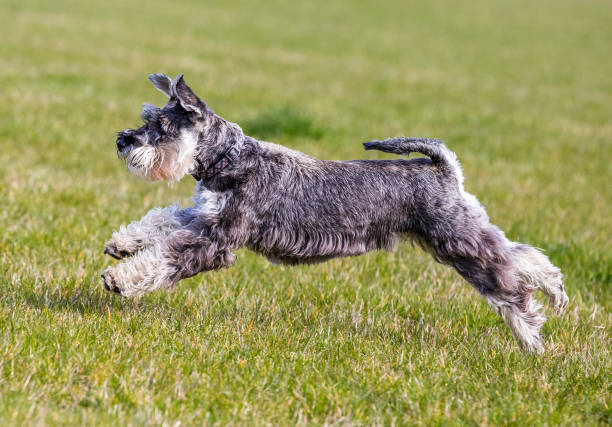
[{"x": 226, "y": 159}]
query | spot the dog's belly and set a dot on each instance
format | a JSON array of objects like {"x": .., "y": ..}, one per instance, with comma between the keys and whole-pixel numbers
[
  {"x": 295, "y": 261},
  {"x": 301, "y": 246}
]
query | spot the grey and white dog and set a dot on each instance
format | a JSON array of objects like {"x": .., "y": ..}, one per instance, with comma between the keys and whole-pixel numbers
[{"x": 293, "y": 209}]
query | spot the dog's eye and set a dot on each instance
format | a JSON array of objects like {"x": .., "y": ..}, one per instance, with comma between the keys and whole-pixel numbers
[{"x": 156, "y": 127}]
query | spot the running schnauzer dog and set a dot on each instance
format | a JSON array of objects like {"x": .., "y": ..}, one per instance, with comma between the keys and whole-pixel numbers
[{"x": 294, "y": 209}]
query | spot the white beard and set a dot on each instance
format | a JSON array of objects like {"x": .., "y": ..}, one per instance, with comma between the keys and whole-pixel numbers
[{"x": 170, "y": 161}]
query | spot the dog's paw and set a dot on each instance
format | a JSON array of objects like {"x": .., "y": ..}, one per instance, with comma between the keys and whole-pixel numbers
[
  {"x": 111, "y": 248},
  {"x": 559, "y": 302},
  {"x": 110, "y": 283}
]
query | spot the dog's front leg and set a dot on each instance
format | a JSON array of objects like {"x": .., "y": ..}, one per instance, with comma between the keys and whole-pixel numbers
[
  {"x": 138, "y": 235},
  {"x": 184, "y": 253}
]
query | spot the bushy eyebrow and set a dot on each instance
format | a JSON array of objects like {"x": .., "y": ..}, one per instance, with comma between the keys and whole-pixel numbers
[{"x": 150, "y": 112}]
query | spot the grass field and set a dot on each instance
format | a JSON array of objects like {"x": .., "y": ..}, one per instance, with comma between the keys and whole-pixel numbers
[{"x": 521, "y": 90}]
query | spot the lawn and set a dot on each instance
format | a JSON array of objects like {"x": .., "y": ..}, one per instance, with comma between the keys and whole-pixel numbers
[{"x": 521, "y": 90}]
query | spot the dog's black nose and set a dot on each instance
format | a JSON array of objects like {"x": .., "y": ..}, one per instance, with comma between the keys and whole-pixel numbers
[{"x": 122, "y": 142}]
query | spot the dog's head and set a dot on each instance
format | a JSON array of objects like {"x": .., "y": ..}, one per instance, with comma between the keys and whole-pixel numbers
[{"x": 163, "y": 148}]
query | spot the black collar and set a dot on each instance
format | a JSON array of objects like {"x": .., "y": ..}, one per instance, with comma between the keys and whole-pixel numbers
[{"x": 226, "y": 159}]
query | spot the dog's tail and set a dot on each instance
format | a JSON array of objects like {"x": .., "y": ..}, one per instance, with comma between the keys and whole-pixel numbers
[{"x": 435, "y": 149}]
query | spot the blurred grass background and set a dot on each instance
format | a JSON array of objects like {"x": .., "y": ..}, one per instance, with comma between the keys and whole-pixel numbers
[{"x": 520, "y": 90}]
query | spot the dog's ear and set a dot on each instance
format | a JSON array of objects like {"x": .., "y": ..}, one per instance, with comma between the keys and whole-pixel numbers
[
  {"x": 189, "y": 100},
  {"x": 163, "y": 83}
]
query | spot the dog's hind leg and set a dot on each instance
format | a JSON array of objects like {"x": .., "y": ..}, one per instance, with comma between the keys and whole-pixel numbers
[
  {"x": 485, "y": 259},
  {"x": 505, "y": 273},
  {"x": 139, "y": 235},
  {"x": 511, "y": 298}
]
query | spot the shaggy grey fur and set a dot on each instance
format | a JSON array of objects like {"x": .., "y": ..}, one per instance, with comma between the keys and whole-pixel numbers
[{"x": 293, "y": 209}]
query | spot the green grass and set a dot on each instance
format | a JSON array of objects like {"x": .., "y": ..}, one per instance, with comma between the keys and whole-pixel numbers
[
  {"x": 521, "y": 90},
  {"x": 281, "y": 122}
]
